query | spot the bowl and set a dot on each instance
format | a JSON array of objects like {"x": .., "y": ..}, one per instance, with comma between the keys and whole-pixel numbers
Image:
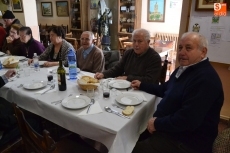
[{"x": 85, "y": 86}]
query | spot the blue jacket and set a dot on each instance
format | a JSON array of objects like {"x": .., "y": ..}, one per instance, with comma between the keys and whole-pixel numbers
[{"x": 190, "y": 108}]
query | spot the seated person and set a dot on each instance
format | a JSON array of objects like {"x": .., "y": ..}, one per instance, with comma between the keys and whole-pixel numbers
[
  {"x": 58, "y": 48},
  {"x": 30, "y": 45},
  {"x": 89, "y": 57},
  {"x": 187, "y": 117},
  {"x": 139, "y": 63},
  {"x": 13, "y": 45}
]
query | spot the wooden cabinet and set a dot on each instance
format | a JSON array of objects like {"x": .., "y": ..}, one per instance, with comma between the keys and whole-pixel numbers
[
  {"x": 78, "y": 17},
  {"x": 129, "y": 16}
]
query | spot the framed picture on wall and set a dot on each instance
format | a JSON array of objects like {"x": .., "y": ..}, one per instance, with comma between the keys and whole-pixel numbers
[
  {"x": 62, "y": 8},
  {"x": 156, "y": 11},
  {"x": 46, "y": 8},
  {"x": 206, "y": 5},
  {"x": 17, "y": 6},
  {"x": 94, "y": 4}
]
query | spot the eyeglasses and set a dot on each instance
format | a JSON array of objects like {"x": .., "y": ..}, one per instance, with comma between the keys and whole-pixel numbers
[{"x": 85, "y": 39}]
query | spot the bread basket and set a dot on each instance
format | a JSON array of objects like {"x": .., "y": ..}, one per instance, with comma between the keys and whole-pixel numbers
[
  {"x": 85, "y": 86},
  {"x": 12, "y": 65}
]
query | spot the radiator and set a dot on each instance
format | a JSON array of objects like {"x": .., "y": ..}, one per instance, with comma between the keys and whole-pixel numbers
[{"x": 168, "y": 37}]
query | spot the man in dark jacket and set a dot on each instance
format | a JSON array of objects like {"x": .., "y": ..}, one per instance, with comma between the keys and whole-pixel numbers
[{"x": 187, "y": 117}]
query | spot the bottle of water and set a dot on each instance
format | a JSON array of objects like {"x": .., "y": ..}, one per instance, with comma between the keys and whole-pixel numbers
[
  {"x": 36, "y": 62},
  {"x": 0, "y": 65},
  {"x": 72, "y": 62}
]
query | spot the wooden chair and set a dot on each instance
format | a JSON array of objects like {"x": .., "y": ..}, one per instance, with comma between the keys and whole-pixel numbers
[
  {"x": 69, "y": 35},
  {"x": 12, "y": 146},
  {"x": 34, "y": 142},
  {"x": 73, "y": 41},
  {"x": 122, "y": 46},
  {"x": 164, "y": 69}
]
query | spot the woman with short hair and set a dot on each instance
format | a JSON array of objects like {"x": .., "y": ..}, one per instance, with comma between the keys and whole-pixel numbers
[{"x": 30, "y": 45}]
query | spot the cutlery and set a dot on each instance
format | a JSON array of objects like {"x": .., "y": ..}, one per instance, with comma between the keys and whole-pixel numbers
[
  {"x": 51, "y": 87},
  {"x": 19, "y": 86},
  {"x": 108, "y": 109},
  {"x": 59, "y": 101},
  {"x": 114, "y": 105},
  {"x": 91, "y": 103}
]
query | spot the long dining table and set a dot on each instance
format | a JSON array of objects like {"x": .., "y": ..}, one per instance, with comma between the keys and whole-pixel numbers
[{"x": 118, "y": 134}]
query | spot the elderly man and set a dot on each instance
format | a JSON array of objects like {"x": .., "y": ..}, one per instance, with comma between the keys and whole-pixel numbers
[
  {"x": 9, "y": 19},
  {"x": 139, "y": 63},
  {"x": 89, "y": 57},
  {"x": 186, "y": 119}
]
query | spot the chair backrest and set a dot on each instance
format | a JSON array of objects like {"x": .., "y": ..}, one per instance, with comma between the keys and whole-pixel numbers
[
  {"x": 31, "y": 139},
  {"x": 69, "y": 35},
  {"x": 164, "y": 68},
  {"x": 73, "y": 41},
  {"x": 121, "y": 39}
]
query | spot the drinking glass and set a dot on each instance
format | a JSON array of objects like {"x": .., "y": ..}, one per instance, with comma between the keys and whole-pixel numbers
[
  {"x": 106, "y": 90},
  {"x": 50, "y": 76},
  {"x": 90, "y": 93}
]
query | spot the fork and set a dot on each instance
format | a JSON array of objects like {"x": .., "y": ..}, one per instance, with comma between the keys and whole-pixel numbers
[
  {"x": 59, "y": 101},
  {"x": 91, "y": 103},
  {"x": 51, "y": 87}
]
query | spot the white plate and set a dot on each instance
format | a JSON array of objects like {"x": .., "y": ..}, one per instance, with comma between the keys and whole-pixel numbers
[
  {"x": 42, "y": 62},
  {"x": 129, "y": 99},
  {"x": 67, "y": 70},
  {"x": 20, "y": 58},
  {"x": 35, "y": 85},
  {"x": 2, "y": 53},
  {"x": 119, "y": 84},
  {"x": 76, "y": 102}
]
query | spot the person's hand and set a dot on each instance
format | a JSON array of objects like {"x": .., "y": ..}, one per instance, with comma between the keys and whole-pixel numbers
[
  {"x": 122, "y": 77},
  {"x": 135, "y": 84},
  {"x": 47, "y": 64},
  {"x": 150, "y": 126},
  {"x": 8, "y": 52},
  {"x": 30, "y": 61},
  {"x": 10, "y": 73},
  {"x": 99, "y": 75},
  {"x": 9, "y": 39}
]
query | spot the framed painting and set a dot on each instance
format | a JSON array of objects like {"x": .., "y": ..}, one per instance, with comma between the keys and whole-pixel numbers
[
  {"x": 17, "y": 6},
  {"x": 206, "y": 5},
  {"x": 62, "y": 8},
  {"x": 156, "y": 11},
  {"x": 46, "y": 8},
  {"x": 94, "y": 4}
]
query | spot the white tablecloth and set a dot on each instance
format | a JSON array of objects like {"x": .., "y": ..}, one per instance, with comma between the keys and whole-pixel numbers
[{"x": 119, "y": 135}]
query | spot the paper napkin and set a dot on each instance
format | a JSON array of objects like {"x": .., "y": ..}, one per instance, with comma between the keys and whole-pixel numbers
[{"x": 94, "y": 109}]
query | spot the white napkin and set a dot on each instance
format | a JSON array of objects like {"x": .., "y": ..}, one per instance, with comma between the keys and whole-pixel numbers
[
  {"x": 94, "y": 109},
  {"x": 140, "y": 94},
  {"x": 43, "y": 90}
]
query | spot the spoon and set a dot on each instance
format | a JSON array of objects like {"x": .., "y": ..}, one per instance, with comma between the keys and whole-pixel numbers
[
  {"x": 108, "y": 109},
  {"x": 51, "y": 87},
  {"x": 91, "y": 103}
]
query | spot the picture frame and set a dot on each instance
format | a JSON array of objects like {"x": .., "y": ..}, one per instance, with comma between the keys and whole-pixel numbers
[
  {"x": 204, "y": 5},
  {"x": 94, "y": 4},
  {"x": 156, "y": 11},
  {"x": 62, "y": 8},
  {"x": 46, "y": 9},
  {"x": 17, "y": 6}
]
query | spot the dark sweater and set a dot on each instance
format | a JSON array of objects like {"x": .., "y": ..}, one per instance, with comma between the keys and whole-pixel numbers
[
  {"x": 190, "y": 108},
  {"x": 31, "y": 47},
  {"x": 145, "y": 67},
  {"x": 15, "y": 47}
]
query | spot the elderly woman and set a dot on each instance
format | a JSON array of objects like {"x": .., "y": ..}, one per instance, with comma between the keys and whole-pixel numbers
[
  {"x": 58, "y": 48},
  {"x": 30, "y": 45},
  {"x": 13, "y": 45}
]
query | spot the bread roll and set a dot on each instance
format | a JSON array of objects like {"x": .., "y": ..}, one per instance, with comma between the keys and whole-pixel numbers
[
  {"x": 89, "y": 79},
  {"x": 128, "y": 110}
]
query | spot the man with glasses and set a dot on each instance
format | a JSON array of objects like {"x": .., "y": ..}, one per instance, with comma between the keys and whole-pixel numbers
[{"x": 89, "y": 57}]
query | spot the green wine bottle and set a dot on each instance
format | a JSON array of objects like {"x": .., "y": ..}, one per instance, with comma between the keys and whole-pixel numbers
[{"x": 61, "y": 77}]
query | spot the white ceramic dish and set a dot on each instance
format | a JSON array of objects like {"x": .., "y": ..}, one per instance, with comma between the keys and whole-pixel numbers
[
  {"x": 35, "y": 85},
  {"x": 42, "y": 62},
  {"x": 75, "y": 102},
  {"x": 129, "y": 99},
  {"x": 119, "y": 84},
  {"x": 2, "y": 53}
]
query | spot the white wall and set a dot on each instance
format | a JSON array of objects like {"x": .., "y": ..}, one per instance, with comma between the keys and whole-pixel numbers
[{"x": 172, "y": 19}]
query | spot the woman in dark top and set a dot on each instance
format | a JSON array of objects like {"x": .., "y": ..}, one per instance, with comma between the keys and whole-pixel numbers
[
  {"x": 30, "y": 45},
  {"x": 57, "y": 46}
]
